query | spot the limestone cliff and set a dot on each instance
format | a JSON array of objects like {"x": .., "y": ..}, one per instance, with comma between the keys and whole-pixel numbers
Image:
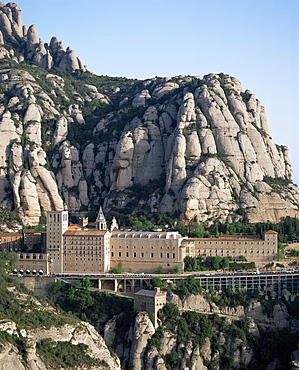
[
  {"x": 31, "y": 48},
  {"x": 32, "y": 332},
  {"x": 197, "y": 148},
  {"x": 196, "y": 333}
]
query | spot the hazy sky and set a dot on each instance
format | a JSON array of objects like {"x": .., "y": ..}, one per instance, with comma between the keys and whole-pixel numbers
[{"x": 256, "y": 41}]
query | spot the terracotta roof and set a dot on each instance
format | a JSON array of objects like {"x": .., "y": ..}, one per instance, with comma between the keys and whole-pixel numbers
[
  {"x": 231, "y": 238},
  {"x": 270, "y": 232},
  {"x": 85, "y": 232},
  {"x": 74, "y": 227},
  {"x": 10, "y": 234},
  {"x": 150, "y": 293},
  {"x": 31, "y": 231}
]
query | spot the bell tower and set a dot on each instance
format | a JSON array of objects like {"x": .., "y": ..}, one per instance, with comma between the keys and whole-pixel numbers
[
  {"x": 57, "y": 224},
  {"x": 101, "y": 223}
]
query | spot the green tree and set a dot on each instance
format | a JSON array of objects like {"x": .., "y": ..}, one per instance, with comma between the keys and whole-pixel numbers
[
  {"x": 171, "y": 311},
  {"x": 54, "y": 288},
  {"x": 87, "y": 283},
  {"x": 181, "y": 228},
  {"x": 159, "y": 269},
  {"x": 280, "y": 255},
  {"x": 157, "y": 282},
  {"x": 216, "y": 263},
  {"x": 8, "y": 261},
  {"x": 224, "y": 263},
  {"x": 118, "y": 269}
]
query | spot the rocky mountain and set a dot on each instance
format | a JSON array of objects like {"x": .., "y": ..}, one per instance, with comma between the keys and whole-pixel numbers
[
  {"x": 195, "y": 333},
  {"x": 34, "y": 335},
  {"x": 196, "y": 148},
  {"x": 206, "y": 330}
]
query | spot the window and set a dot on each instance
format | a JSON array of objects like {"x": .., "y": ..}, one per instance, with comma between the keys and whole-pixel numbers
[{"x": 134, "y": 254}]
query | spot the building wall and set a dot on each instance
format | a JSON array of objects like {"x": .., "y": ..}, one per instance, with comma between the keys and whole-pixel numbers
[
  {"x": 146, "y": 251},
  {"x": 32, "y": 238},
  {"x": 11, "y": 241},
  {"x": 254, "y": 249},
  {"x": 33, "y": 262},
  {"x": 86, "y": 251},
  {"x": 150, "y": 303}
]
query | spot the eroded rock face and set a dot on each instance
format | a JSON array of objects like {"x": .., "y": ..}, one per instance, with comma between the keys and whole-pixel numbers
[
  {"x": 214, "y": 151},
  {"x": 190, "y": 354},
  {"x": 143, "y": 330},
  {"x": 199, "y": 148},
  {"x": 13, "y": 31},
  {"x": 83, "y": 332}
]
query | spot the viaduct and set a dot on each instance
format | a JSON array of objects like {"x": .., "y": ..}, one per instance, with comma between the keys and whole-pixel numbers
[{"x": 273, "y": 282}]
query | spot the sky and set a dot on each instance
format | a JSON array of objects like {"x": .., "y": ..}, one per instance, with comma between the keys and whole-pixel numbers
[{"x": 256, "y": 41}]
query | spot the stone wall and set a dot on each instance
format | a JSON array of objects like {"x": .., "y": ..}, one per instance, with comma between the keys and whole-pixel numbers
[{"x": 38, "y": 284}]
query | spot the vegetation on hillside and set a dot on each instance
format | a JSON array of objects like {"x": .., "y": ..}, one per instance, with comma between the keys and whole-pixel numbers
[
  {"x": 8, "y": 220},
  {"x": 92, "y": 306},
  {"x": 30, "y": 311},
  {"x": 67, "y": 355},
  {"x": 197, "y": 328},
  {"x": 214, "y": 263}
]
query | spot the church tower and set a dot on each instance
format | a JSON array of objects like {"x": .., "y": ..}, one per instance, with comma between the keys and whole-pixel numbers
[{"x": 101, "y": 223}]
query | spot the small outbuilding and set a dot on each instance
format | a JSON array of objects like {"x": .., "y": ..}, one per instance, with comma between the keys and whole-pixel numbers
[{"x": 150, "y": 301}]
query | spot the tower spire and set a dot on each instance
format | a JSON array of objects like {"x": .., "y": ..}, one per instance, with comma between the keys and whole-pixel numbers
[{"x": 101, "y": 223}]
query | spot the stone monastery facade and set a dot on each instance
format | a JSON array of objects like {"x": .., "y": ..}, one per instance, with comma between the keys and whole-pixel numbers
[
  {"x": 75, "y": 249},
  {"x": 236, "y": 247}
]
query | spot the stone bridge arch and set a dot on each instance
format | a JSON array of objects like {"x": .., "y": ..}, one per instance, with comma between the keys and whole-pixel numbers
[{"x": 108, "y": 285}]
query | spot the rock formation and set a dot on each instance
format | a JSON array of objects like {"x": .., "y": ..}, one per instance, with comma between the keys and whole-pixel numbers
[
  {"x": 32, "y": 47},
  {"x": 200, "y": 148},
  {"x": 173, "y": 346},
  {"x": 19, "y": 341}
]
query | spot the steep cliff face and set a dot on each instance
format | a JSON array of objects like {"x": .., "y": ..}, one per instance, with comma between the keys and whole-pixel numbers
[
  {"x": 35, "y": 336},
  {"x": 198, "y": 148},
  {"x": 197, "y": 334}
]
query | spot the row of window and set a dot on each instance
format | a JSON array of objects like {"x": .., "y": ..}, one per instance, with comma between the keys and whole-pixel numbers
[
  {"x": 262, "y": 243},
  {"x": 142, "y": 255},
  {"x": 34, "y": 256},
  {"x": 142, "y": 247},
  {"x": 82, "y": 243},
  {"x": 84, "y": 259},
  {"x": 238, "y": 252},
  {"x": 85, "y": 247},
  {"x": 83, "y": 254},
  {"x": 235, "y": 250},
  {"x": 84, "y": 238}
]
